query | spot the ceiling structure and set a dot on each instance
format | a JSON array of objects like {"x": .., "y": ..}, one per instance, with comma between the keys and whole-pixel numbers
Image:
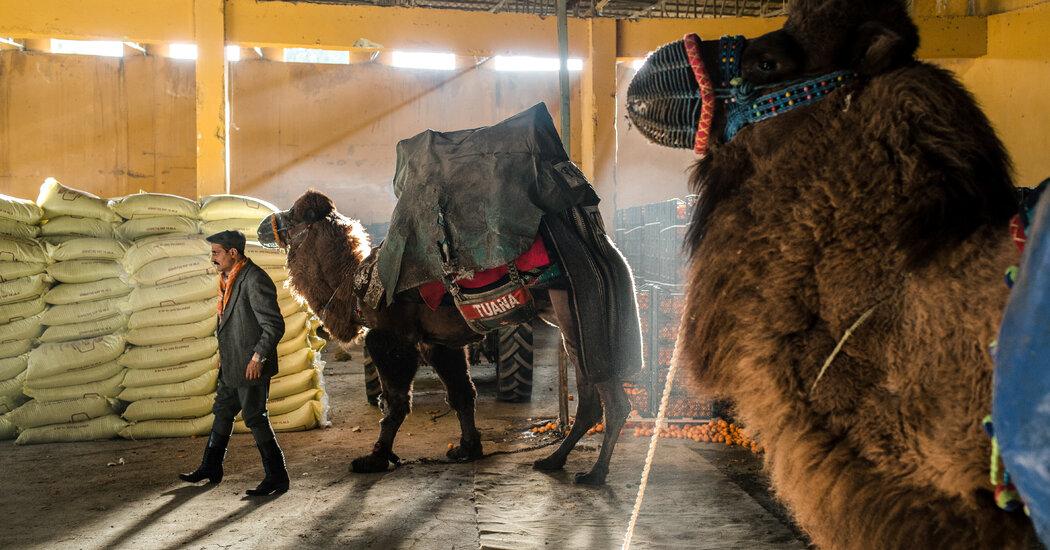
[{"x": 615, "y": 9}]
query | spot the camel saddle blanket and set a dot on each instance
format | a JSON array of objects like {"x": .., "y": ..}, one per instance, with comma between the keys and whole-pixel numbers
[
  {"x": 367, "y": 285},
  {"x": 472, "y": 200}
]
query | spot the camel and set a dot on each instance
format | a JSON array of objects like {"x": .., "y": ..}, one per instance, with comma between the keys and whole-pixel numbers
[
  {"x": 327, "y": 250},
  {"x": 846, "y": 263}
]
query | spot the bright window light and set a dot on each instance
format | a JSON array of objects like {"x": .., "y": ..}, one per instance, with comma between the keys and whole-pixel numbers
[
  {"x": 311, "y": 55},
  {"x": 526, "y": 63},
  {"x": 424, "y": 60},
  {"x": 233, "y": 53},
  {"x": 182, "y": 51},
  {"x": 111, "y": 48},
  {"x": 637, "y": 64}
]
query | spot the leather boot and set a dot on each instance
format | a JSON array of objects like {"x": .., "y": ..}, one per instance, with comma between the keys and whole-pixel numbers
[
  {"x": 276, "y": 480},
  {"x": 211, "y": 464}
]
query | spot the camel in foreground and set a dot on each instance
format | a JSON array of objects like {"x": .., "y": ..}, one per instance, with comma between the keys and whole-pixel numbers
[{"x": 846, "y": 268}]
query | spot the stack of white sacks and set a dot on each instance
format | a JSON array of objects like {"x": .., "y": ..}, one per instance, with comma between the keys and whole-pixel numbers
[
  {"x": 23, "y": 262},
  {"x": 130, "y": 324},
  {"x": 297, "y": 400},
  {"x": 172, "y": 358},
  {"x": 73, "y": 374}
]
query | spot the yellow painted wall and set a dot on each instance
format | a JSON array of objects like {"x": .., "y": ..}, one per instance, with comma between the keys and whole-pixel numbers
[
  {"x": 114, "y": 126},
  {"x": 108, "y": 125},
  {"x": 335, "y": 128},
  {"x": 1012, "y": 85}
]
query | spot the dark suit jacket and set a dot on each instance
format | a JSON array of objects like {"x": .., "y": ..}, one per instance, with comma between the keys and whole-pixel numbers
[{"x": 251, "y": 323}]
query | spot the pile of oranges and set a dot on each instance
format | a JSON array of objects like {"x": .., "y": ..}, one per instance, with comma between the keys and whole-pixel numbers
[
  {"x": 716, "y": 431},
  {"x": 548, "y": 427}
]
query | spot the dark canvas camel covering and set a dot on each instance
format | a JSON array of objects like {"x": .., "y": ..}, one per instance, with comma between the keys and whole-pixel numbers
[
  {"x": 481, "y": 192},
  {"x": 471, "y": 200}
]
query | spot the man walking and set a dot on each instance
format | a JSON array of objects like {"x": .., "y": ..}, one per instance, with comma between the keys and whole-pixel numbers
[{"x": 249, "y": 328}]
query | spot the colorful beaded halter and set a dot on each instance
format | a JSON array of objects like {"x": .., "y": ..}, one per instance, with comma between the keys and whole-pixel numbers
[
  {"x": 672, "y": 97},
  {"x": 738, "y": 95},
  {"x": 707, "y": 96}
]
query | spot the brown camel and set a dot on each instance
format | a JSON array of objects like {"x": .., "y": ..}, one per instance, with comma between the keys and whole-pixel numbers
[
  {"x": 325, "y": 252},
  {"x": 846, "y": 270}
]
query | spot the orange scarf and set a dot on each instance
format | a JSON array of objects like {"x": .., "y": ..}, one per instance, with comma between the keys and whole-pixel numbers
[{"x": 226, "y": 285}]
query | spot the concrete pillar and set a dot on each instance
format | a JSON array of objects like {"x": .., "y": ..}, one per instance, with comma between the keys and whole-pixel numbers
[
  {"x": 212, "y": 97},
  {"x": 598, "y": 112}
]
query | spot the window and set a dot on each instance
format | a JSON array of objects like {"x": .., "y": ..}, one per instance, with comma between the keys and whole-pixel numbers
[
  {"x": 526, "y": 63},
  {"x": 110, "y": 48},
  {"x": 182, "y": 51},
  {"x": 233, "y": 53},
  {"x": 424, "y": 60},
  {"x": 311, "y": 55}
]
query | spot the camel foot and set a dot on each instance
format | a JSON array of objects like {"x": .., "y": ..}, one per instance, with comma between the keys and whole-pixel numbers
[
  {"x": 369, "y": 464},
  {"x": 590, "y": 478},
  {"x": 465, "y": 452},
  {"x": 549, "y": 464}
]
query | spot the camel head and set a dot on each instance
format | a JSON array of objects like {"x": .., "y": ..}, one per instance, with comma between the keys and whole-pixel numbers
[
  {"x": 287, "y": 228},
  {"x": 325, "y": 250},
  {"x": 695, "y": 93},
  {"x": 312, "y": 224}
]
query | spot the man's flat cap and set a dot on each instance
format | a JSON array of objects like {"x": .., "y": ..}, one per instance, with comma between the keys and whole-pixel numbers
[{"x": 228, "y": 239}]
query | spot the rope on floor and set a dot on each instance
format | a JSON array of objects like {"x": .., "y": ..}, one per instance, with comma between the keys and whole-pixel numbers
[
  {"x": 424, "y": 460},
  {"x": 649, "y": 456}
]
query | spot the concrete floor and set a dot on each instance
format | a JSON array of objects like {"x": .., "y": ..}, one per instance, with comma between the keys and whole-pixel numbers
[{"x": 699, "y": 495}]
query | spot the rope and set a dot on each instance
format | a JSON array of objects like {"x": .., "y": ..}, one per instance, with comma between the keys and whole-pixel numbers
[
  {"x": 834, "y": 352},
  {"x": 425, "y": 460},
  {"x": 649, "y": 457}
]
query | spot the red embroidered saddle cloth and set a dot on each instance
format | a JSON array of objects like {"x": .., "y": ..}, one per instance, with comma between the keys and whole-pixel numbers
[{"x": 535, "y": 257}]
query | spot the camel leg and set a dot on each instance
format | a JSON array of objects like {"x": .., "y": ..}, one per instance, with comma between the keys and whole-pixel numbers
[
  {"x": 588, "y": 413},
  {"x": 589, "y": 409},
  {"x": 450, "y": 364},
  {"x": 397, "y": 362},
  {"x": 617, "y": 408}
]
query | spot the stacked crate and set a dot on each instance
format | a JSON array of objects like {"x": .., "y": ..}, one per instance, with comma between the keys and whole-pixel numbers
[
  {"x": 628, "y": 234},
  {"x": 658, "y": 261},
  {"x": 651, "y": 238},
  {"x": 660, "y": 314}
]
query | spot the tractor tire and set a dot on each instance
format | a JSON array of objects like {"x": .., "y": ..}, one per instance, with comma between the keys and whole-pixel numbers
[
  {"x": 514, "y": 364},
  {"x": 373, "y": 390}
]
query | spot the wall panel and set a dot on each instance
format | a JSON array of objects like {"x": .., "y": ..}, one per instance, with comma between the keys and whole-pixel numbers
[
  {"x": 335, "y": 128},
  {"x": 107, "y": 125}
]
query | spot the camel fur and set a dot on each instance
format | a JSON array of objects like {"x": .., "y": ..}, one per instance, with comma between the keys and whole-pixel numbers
[
  {"x": 889, "y": 199},
  {"x": 325, "y": 252}
]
